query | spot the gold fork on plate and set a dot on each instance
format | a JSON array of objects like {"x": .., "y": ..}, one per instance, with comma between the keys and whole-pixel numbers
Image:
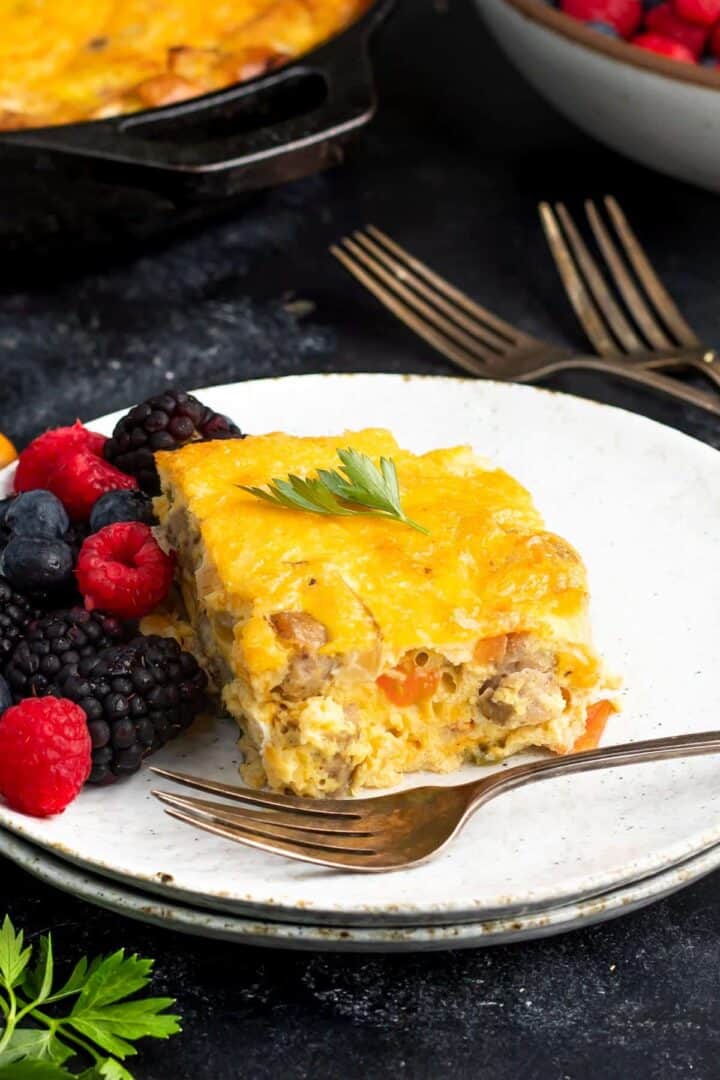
[
  {"x": 474, "y": 338},
  {"x": 387, "y": 832},
  {"x": 645, "y": 297}
]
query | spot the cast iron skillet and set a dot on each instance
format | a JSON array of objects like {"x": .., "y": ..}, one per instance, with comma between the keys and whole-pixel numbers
[{"x": 275, "y": 128}]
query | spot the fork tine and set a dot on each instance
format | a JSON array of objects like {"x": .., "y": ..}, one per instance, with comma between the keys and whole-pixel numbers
[
  {"x": 591, "y": 272},
  {"x": 460, "y": 298},
  {"x": 664, "y": 303},
  {"x": 433, "y": 337},
  {"x": 267, "y": 799},
  {"x": 575, "y": 288},
  {"x": 637, "y": 307},
  {"x": 446, "y": 326},
  {"x": 251, "y": 819},
  {"x": 401, "y": 275},
  {"x": 338, "y": 858},
  {"x": 443, "y": 288}
]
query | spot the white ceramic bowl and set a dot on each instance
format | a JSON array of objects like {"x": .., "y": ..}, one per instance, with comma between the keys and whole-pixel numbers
[{"x": 663, "y": 113}]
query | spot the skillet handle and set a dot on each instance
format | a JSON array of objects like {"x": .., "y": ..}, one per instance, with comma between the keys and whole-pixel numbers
[{"x": 276, "y": 128}]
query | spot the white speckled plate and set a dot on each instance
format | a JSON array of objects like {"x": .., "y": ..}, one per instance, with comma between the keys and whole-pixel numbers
[
  {"x": 174, "y": 915},
  {"x": 642, "y": 504}
]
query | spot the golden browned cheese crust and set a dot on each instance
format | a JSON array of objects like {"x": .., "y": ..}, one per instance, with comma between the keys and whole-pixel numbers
[
  {"x": 62, "y": 62},
  {"x": 352, "y": 649}
]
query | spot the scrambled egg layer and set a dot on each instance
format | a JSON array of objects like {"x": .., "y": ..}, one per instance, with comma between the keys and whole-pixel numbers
[
  {"x": 352, "y": 649},
  {"x": 61, "y": 62}
]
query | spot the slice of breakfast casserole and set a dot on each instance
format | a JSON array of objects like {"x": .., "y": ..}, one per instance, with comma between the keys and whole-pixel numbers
[{"x": 354, "y": 649}]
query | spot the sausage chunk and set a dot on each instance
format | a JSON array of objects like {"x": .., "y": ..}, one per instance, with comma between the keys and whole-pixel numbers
[
  {"x": 307, "y": 671},
  {"x": 522, "y": 697}
]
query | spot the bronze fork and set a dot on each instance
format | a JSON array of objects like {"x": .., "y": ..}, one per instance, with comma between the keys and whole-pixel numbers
[
  {"x": 472, "y": 337},
  {"x": 388, "y": 832},
  {"x": 645, "y": 297}
]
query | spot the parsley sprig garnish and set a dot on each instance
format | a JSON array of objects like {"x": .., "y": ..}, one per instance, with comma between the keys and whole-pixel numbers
[
  {"x": 96, "y": 1022},
  {"x": 362, "y": 490}
]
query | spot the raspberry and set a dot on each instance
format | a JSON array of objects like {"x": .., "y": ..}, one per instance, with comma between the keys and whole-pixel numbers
[
  {"x": 662, "y": 20},
  {"x": 45, "y": 755},
  {"x": 41, "y": 457},
  {"x": 714, "y": 43},
  {"x": 122, "y": 569},
  {"x": 624, "y": 15},
  {"x": 664, "y": 47},
  {"x": 80, "y": 479},
  {"x": 702, "y": 12}
]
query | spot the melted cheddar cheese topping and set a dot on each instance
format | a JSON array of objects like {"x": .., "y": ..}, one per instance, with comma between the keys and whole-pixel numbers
[
  {"x": 61, "y": 62},
  {"x": 487, "y": 566}
]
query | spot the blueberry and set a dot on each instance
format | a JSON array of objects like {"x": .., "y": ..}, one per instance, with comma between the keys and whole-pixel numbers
[
  {"x": 38, "y": 514},
  {"x": 6, "y": 698},
  {"x": 30, "y": 564},
  {"x": 602, "y": 28},
  {"x": 121, "y": 506}
]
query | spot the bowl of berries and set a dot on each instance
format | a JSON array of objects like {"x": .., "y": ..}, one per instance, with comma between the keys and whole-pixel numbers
[
  {"x": 642, "y": 76},
  {"x": 94, "y": 672}
]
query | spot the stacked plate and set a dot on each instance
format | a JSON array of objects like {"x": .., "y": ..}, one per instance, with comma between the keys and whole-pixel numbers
[{"x": 641, "y": 503}]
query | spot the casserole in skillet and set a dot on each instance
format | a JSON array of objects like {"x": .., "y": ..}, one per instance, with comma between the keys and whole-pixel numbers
[
  {"x": 265, "y": 129},
  {"x": 63, "y": 62}
]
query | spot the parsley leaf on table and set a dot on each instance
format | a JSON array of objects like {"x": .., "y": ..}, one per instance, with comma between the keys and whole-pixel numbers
[
  {"x": 98, "y": 1015},
  {"x": 35, "y": 1044}
]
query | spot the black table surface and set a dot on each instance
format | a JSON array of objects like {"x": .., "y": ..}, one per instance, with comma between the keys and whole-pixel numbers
[{"x": 460, "y": 153}]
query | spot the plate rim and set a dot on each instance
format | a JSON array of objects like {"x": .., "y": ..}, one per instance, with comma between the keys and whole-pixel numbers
[{"x": 192, "y": 921}]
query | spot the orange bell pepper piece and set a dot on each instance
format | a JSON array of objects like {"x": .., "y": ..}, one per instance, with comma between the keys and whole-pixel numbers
[
  {"x": 408, "y": 684},
  {"x": 597, "y": 717},
  {"x": 490, "y": 650}
]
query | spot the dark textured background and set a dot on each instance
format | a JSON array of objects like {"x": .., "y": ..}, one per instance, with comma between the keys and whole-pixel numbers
[{"x": 459, "y": 155}]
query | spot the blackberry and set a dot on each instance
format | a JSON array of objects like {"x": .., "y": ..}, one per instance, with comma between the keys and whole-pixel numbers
[
  {"x": 164, "y": 422},
  {"x": 16, "y": 612},
  {"x": 136, "y": 696},
  {"x": 53, "y": 646}
]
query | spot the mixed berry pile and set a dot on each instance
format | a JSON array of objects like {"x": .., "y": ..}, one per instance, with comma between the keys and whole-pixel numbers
[
  {"x": 84, "y": 696},
  {"x": 684, "y": 30}
]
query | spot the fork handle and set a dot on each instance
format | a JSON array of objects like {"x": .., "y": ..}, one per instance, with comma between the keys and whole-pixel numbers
[
  {"x": 709, "y": 369},
  {"x": 608, "y": 757},
  {"x": 653, "y": 379}
]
